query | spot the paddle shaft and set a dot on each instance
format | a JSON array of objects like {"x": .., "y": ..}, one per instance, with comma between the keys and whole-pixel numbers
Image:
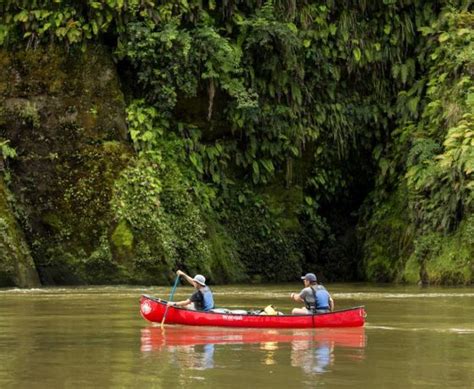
[{"x": 170, "y": 299}]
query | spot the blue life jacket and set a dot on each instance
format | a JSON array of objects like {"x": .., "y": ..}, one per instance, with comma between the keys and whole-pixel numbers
[
  {"x": 207, "y": 299},
  {"x": 321, "y": 297}
]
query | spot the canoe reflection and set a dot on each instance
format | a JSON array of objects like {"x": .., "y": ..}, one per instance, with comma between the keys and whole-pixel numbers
[
  {"x": 312, "y": 358},
  {"x": 311, "y": 350}
]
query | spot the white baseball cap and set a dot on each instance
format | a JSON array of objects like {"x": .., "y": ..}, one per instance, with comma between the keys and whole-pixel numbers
[{"x": 200, "y": 279}]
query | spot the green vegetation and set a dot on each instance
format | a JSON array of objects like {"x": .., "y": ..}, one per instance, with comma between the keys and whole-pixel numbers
[
  {"x": 16, "y": 264},
  {"x": 431, "y": 159},
  {"x": 262, "y": 138}
]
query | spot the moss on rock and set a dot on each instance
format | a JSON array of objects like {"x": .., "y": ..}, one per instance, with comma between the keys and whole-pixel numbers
[
  {"x": 393, "y": 252},
  {"x": 16, "y": 265},
  {"x": 452, "y": 259},
  {"x": 122, "y": 237},
  {"x": 65, "y": 117},
  {"x": 388, "y": 240},
  {"x": 225, "y": 264}
]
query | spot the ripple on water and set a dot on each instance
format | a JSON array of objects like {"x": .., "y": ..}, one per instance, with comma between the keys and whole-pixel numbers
[
  {"x": 226, "y": 291},
  {"x": 351, "y": 295},
  {"x": 377, "y": 295},
  {"x": 78, "y": 291},
  {"x": 464, "y": 331}
]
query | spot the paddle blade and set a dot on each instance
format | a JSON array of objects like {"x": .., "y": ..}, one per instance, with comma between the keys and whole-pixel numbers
[{"x": 164, "y": 317}]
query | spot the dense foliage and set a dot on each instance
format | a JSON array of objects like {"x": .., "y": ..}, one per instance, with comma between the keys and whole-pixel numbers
[
  {"x": 272, "y": 137},
  {"x": 425, "y": 186}
]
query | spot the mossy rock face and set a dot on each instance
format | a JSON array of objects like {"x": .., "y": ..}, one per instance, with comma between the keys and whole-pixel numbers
[
  {"x": 388, "y": 240},
  {"x": 394, "y": 252},
  {"x": 122, "y": 240},
  {"x": 123, "y": 236},
  {"x": 16, "y": 265},
  {"x": 268, "y": 250},
  {"x": 285, "y": 204},
  {"x": 225, "y": 263},
  {"x": 64, "y": 114},
  {"x": 411, "y": 273},
  {"x": 451, "y": 259}
]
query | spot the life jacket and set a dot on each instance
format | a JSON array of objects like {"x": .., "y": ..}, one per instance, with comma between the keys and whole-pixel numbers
[
  {"x": 321, "y": 299},
  {"x": 207, "y": 299}
]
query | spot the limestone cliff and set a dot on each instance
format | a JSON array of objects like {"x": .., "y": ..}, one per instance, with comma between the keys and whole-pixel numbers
[{"x": 64, "y": 114}]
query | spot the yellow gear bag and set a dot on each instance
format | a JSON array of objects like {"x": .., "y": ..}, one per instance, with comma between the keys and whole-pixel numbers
[{"x": 270, "y": 310}]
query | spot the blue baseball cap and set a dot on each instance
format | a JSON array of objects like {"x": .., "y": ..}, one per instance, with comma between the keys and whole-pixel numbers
[{"x": 311, "y": 277}]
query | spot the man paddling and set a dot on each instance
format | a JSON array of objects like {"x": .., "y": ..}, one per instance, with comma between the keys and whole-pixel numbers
[
  {"x": 315, "y": 297},
  {"x": 201, "y": 299}
]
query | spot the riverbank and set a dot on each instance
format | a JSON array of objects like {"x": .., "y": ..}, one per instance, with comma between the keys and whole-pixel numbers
[{"x": 248, "y": 142}]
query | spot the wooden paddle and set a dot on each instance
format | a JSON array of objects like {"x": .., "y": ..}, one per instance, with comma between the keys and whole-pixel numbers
[{"x": 170, "y": 299}]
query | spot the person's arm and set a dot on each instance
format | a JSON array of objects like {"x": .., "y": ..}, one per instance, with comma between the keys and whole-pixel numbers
[
  {"x": 179, "y": 303},
  {"x": 189, "y": 279},
  {"x": 331, "y": 304},
  {"x": 296, "y": 297}
]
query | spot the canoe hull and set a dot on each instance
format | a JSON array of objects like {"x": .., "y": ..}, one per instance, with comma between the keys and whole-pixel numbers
[{"x": 153, "y": 309}]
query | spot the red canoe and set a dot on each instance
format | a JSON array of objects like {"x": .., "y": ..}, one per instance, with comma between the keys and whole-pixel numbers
[{"x": 153, "y": 309}]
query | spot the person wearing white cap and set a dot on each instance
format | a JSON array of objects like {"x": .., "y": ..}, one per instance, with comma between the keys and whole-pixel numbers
[
  {"x": 202, "y": 299},
  {"x": 315, "y": 297}
]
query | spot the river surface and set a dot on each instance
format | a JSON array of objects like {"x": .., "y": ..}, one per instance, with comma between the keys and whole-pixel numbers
[{"x": 94, "y": 337}]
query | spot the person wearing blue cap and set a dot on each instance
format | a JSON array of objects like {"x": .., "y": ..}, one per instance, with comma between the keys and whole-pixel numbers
[
  {"x": 315, "y": 297},
  {"x": 202, "y": 299}
]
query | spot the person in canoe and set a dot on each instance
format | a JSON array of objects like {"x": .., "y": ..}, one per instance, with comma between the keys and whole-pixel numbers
[
  {"x": 315, "y": 297},
  {"x": 202, "y": 299}
]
